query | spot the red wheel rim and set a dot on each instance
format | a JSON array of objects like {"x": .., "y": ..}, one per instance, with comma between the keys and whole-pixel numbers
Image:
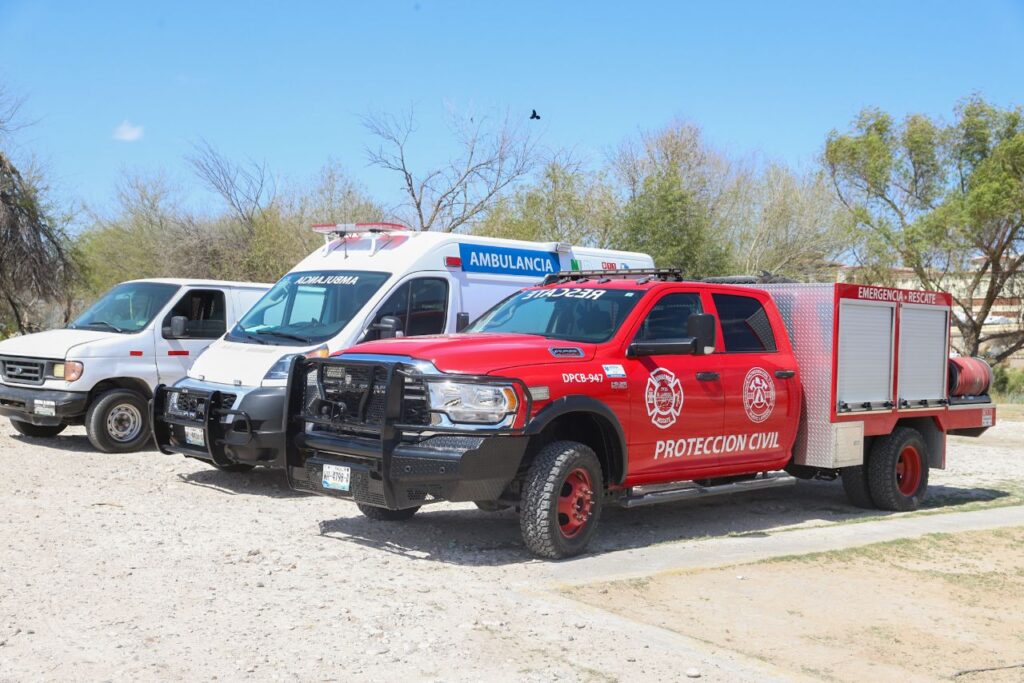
[
  {"x": 908, "y": 471},
  {"x": 575, "y": 502}
]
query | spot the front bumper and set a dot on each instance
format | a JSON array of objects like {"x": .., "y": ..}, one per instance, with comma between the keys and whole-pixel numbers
[
  {"x": 457, "y": 468},
  {"x": 250, "y": 434},
  {"x": 20, "y": 404}
]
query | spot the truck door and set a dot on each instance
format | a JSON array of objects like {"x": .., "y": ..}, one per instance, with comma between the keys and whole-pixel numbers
[
  {"x": 676, "y": 400},
  {"x": 756, "y": 378},
  {"x": 206, "y": 312}
]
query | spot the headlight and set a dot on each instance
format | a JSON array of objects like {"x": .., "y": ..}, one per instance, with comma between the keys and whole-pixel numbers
[
  {"x": 480, "y": 403},
  {"x": 279, "y": 370},
  {"x": 69, "y": 371}
]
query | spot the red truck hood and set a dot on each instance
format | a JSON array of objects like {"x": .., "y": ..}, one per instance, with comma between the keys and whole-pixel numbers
[{"x": 480, "y": 354}]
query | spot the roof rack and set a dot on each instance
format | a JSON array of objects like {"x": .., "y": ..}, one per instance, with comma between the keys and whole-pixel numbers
[
  {"x": 762, "y": 278},
  {"x": 667, "y": 274},
  {"x": 330, "y": 229}
]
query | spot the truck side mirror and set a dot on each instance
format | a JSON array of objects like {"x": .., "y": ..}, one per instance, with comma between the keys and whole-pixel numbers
[
  {"x": 178, "y": 325},
  {"x": 461, "y": 321},
  {"x": 389, "y": 327},
  {"x": 701, "y": 327}
]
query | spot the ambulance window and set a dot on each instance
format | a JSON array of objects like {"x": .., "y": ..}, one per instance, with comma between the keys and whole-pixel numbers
[
  {"x": 308, "y": 305},
  {"x": 745, "y": 325},
  {"x": 205, "y": 311},
  {"x": 667, "y": 320},
  {"x": 421, "y": 305}
]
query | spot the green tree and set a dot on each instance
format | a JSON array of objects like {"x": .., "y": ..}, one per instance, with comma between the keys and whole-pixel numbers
[
  {"x": 946, "y": 201},
  {"x": 566, "y": 203},
  {"x": 665, "y": 220}
]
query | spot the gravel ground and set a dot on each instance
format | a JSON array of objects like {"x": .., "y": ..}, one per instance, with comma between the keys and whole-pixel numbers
[{"x": 151, "y": 566}]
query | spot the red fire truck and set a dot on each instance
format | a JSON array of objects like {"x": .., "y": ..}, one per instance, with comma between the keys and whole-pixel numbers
[{"x": 638, "y": 387}]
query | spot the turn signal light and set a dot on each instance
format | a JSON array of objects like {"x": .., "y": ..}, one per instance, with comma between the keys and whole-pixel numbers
[{"x": 73, "y": 370}]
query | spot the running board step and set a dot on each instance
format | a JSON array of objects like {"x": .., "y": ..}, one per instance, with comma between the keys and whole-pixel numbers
[{"x": 666, "y": 493}]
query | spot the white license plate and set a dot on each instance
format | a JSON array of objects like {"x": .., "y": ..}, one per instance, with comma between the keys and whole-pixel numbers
[
  {"x": 47, "y": 408},
  {"x": 337, "y": 477},
  {"x": 194, "y": 436}
]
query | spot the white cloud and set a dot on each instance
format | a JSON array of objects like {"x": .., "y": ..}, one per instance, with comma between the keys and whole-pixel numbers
[{"x": 126, "y": 132}]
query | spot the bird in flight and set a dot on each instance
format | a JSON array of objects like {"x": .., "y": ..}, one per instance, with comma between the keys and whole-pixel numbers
[{"x": 535, "y": 115}]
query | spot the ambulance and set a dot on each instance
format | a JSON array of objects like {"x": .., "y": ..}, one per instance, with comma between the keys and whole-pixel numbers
[{"x": 369, "y": 281}]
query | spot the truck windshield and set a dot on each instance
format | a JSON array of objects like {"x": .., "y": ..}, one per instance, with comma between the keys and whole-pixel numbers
[
  {"x": 307, "y": 308},
  {"x": 127, "y": 308},
  {"x": 578, "y": 314}
]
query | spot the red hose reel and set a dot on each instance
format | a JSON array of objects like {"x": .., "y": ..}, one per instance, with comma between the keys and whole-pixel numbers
[{"x": 969, "y": 376}]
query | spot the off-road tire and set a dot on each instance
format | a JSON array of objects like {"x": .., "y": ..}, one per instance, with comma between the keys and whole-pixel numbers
[
  {"x": 96, "y": 419},
  {"x": 855, "y": 484},
  {"x": 38, "y": 431},
  {"x": 234, "y": 467},
  {"x": 539, "y": 519},
  {"x": 385, "y": 515},
  {"x": 883, "y": 482}
]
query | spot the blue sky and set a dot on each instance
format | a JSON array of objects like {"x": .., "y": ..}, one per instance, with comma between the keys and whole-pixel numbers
[{"x": 288, "y": 82}]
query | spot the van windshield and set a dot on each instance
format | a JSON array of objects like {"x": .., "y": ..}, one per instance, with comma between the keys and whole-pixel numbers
[
  {"x": 578, "y": 314},
  {"x": 127, "y": 308},
  {"x": 307, "y": 308}
]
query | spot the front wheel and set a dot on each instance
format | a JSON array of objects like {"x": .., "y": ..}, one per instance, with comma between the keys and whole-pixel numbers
[
  {"x": 386, "y": 515},
  {"x": 118, "y": 421},
  {"x": 29, "y": 429},
  {"x": 561, "y": 500}
]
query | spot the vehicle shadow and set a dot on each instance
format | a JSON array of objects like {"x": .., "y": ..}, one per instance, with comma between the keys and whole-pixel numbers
[
  {"x": 73, "y": 443},
  {"x": 260, "y": 481},
  {"x": 467, "y": 536}
]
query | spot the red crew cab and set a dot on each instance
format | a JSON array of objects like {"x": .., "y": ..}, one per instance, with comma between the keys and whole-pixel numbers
[{"x": 636, "y": 387}]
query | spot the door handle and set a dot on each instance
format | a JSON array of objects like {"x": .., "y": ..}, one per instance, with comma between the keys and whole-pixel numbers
[
  {"x": 785, "y": 374},
  {"x": 707, "y": 376}
]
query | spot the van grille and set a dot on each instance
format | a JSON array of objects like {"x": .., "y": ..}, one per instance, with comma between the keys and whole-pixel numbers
[{"x": 22, "y": 370}]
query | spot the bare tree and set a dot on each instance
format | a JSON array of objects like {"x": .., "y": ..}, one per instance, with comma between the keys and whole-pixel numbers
[
  {"x": 491, "y": 159},
  {"x": 247, "y": 188}
]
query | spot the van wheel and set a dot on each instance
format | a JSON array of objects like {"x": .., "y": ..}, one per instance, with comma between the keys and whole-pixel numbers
[
  {"x": 118, "y": 421},
  {"x": 561, "y": 500},
  {"x": 898, "y": 470},
  {"x": 29, "y": 429},
  {"x": 385, "y": 515},
  {"x": 234, "y": 467}
]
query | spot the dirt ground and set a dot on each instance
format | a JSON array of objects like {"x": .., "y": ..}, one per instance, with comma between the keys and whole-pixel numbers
[
  {"x": 149, "y": 566},
  {"x": 909, "y": 610}
]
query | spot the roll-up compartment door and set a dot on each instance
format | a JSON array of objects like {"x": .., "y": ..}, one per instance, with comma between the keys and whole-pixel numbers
[
  {"x": 924, "y": 350},
  {"x": 865, "y": 363}
]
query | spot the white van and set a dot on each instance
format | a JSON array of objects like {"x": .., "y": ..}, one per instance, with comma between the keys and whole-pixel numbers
[
  {"x": 367, "y": 281},
  {"x": 101, "y": 369}
]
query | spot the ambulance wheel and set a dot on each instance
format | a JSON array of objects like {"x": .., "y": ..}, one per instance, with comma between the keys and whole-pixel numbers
[
  {"x": 29, "y": 429},
  {"x": 234, "y": 467},
  {"x": 898, "y": 470},
  {"x": 561, "y": 500},
  {"x": 385, "y": 515},
  {"x": 118, "y": 421},
  {"x": 855, "y": 484}
]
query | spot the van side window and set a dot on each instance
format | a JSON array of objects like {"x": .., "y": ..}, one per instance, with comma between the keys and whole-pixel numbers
[
  {"x": 745, "y": 325},
  {"x": 206, "y": 313},
  {"x": 421, "y": 305},
  {"x": 667, "y": 320}
]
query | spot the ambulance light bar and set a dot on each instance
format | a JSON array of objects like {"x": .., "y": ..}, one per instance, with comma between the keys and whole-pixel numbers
[{"x": 330, "y": 229}]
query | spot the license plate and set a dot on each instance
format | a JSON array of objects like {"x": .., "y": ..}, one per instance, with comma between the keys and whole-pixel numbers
[
  {"x": 337, "y": 477},
  {"x": 47, "y": 408},
  {"x": 194, "y": 436}
]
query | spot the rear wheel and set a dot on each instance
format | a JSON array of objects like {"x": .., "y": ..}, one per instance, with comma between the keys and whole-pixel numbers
[
  {"x": 561, "y": 500},
  {"x": 897, "y": 471},
  {"x": 386, "y": 515},
  {"x": 855, "y": 484},
  {"x": 29, "y": 429},
  {"x": 118, "y": 421}
]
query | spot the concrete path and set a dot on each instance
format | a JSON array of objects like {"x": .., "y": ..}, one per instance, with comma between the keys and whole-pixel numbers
[{"x": 729, "y": 550}]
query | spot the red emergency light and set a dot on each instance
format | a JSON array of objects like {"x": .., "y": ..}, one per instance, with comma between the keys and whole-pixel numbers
[{"x": 349, "y": 228}]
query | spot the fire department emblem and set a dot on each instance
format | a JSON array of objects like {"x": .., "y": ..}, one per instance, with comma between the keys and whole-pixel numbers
[
  {"x": 758, "y": 394},
  {"x": 664, "y": 397}
]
